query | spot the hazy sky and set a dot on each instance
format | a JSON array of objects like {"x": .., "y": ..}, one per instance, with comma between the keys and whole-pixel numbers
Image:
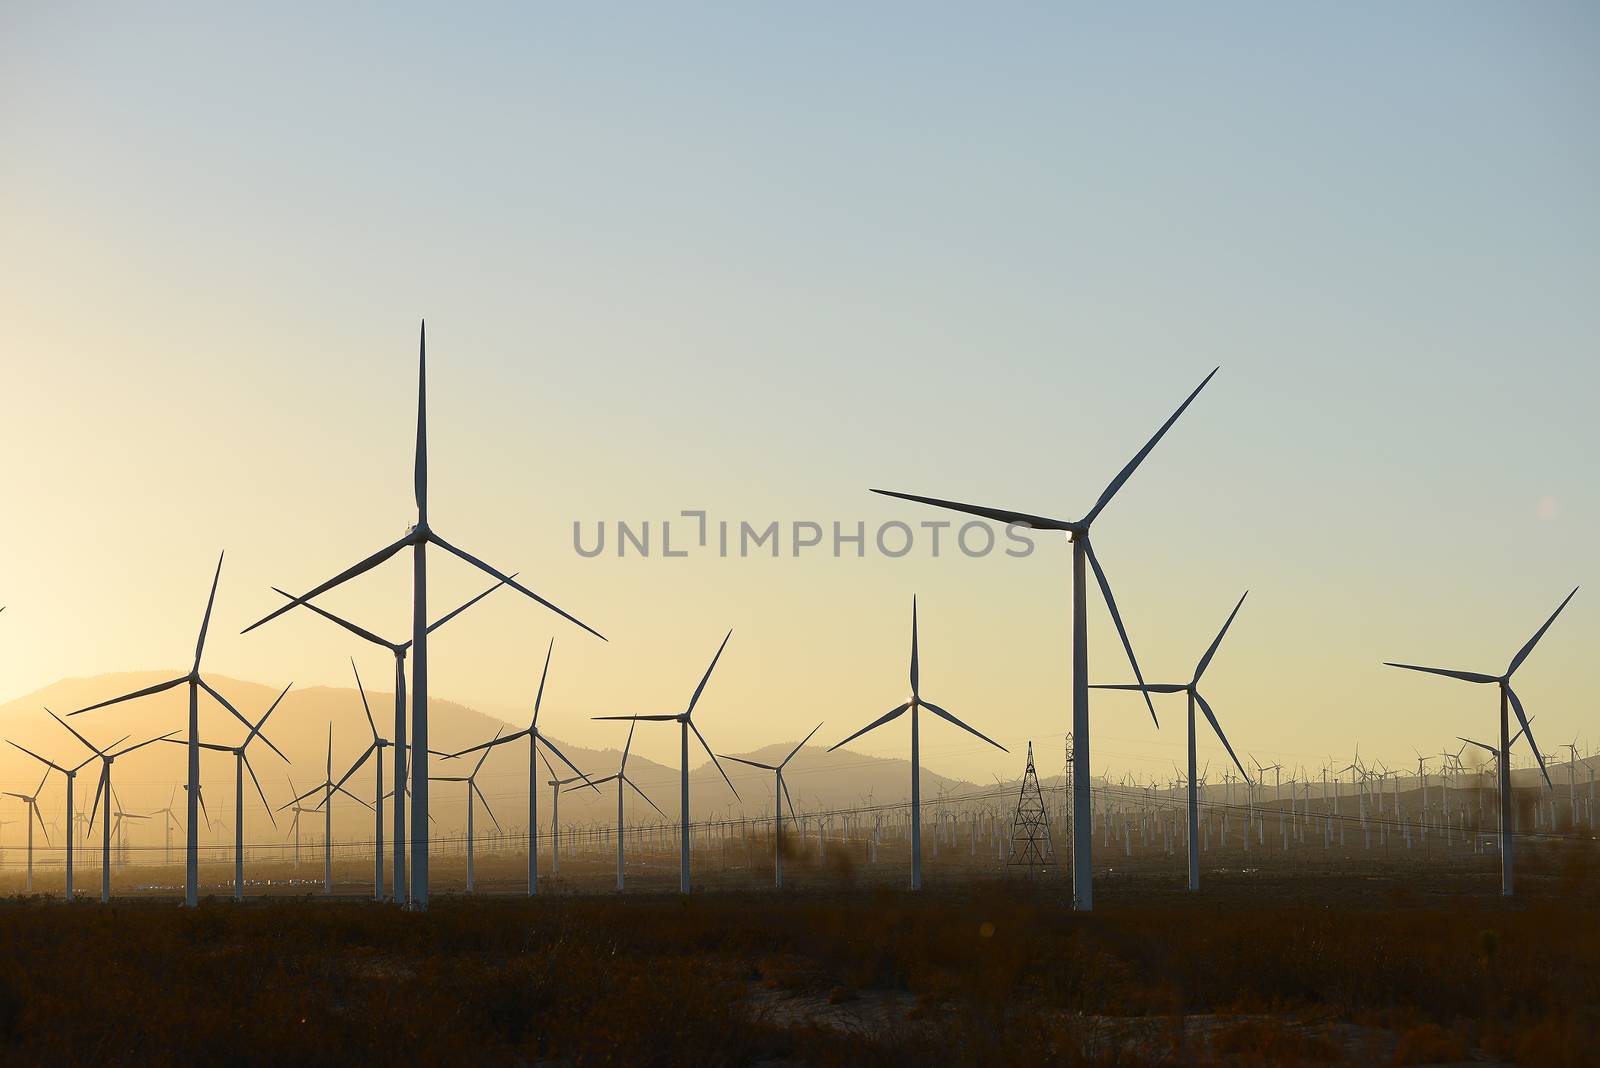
[{"x": 754, "y": 260}]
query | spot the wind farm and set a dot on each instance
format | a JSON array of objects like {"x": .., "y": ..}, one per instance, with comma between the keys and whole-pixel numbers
[{"x": 444, "y": 343}]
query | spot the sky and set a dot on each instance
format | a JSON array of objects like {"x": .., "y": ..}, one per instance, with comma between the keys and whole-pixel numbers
[{"x": 753, "y": 260}]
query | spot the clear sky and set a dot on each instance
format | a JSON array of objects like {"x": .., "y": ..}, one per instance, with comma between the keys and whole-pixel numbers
[{"x": 754, "y": 259}]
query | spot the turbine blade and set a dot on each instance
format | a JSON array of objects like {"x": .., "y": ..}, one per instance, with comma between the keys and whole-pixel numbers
[
  {"x": 225, "y": 703},
  {"x": 420, "y": 474},
  {"x": 1205, "y": 661},
  {"x": 787, "y": 797},
  {"x": 99, "y": 788},
  {"x": 354, "y": 798},
  {"x": 1464, "y": 676},
  {"x": 141, "y": 745},
  {"x": 146, "y": 692},
  {"x": 648, "y": 719},
  {"x": 205, "y": 623},
  {"x": 362, "y": 759},
  {"x": 344, "y": 576},
  {"x": 486, "y": 807},
  {"x": 447, "y": 617},
  {"x": 1152, "y": 687},
  {"x": 880, "y": 721},
  {"x": 259, "y": 791},
  {"x": 644, "y": 795},
  {"x": 626, "y": 747},
  {"x": 1133, "y": 464},
  {"x": 999, "y": 515},
  {"x": 1212, "y": 718},
  {"x": 34, "y": 805},
  {"x": 752, "y": 763},
  {"x": 500, "y": 739},
  {"x": 498, "y": 732},
  {"x": 704, "y": 745},
  {"x": 707, "y": 676},
  {"x": 360, "y": 632},
  {"x": 1116, "y": 617},
  {"x": 75, "y": 734},
  {"x": 548, "y": 744},
  {"x": 799, "y": 747},
  {"x": 1522, "y": 654},
  {"x": 37, "y": 757},
  {"x": 509, "y": 581},
  {"x": 538, "y": 698},
  {"x": 915, "y": 674},
  {"x": 1516, "y": 706},
  {"x": 942, "y": 714},
  {"x": 362, "y": 690}
]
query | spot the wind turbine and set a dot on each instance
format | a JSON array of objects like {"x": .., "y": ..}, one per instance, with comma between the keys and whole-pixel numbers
[
  {"x": 417, "y": 539},
  {"x": 191, "y": 889},
  {"x": 1507, "y": 696},
  {"x": 1192, "y": 689},
  {"x": 375, "y": 749},
  {"x": 780, "y": 794},
  {"x": 555, "y": 785},
  {"x": 108, "y": 756},
  {"x": 472, "y": 788},
  {"x": 535, "y": 740},
  {"x": 621, "y": 777},
  {"x": 1082, "y": 556},
  {"x": 32, "y": 801},
  {"x": 241, "y": 764},
  {"x": 398, "y": 650},
  {"x": 916, "y": 704},
  {"x": 71, "y": 775},
  {"x": 685, "y": 722},
  {"x": 328, "y": 788}
]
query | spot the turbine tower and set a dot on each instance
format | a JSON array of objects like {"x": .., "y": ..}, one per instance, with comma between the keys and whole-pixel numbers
[
  {"x": 1508, "y": 696},
  {"x": 685, "y": 720},
  {"x": 1082, "y": 556},
  {"x": 472, "y": 788},
  {"x": 622, "y": 777},
  {"x": 916, "y": 704},
  {"x": 1192, "y": 689},
  {"x": 417, "y": 539},
  {"x": 780, "y": 794},
  {"x": 191, "y": 879},
  {"x": 32, "y": 801}
]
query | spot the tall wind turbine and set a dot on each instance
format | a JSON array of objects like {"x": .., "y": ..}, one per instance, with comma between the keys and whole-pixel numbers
[
  {"x": 71, "y": 775},
  {"x": 556, "y": 783},
  {"x": 916, "y": 704},
  {"x": 1082, "y": 555},
  {"x": 191, "y": 885},
  {"x": 241, "y": 764},
  {"x": 472, "y": 788},
  {"x": 327, "y": 787},
  {"x": 685, "y": 721},
  {"x": 535, "y": 740},
  {"x": 108, "y": 756},
  {"x": 1507, "y": 696},
  {"x": 375, "y": 749},
  {"x": 32, "y": 801},
  {"x": 417, "y": 539},
  {"x": 780, "y": 794},
  {"x": 622, "y": 777},
  {"x": 398, "y": 650},
  {"x": 1192, "y": 689}
]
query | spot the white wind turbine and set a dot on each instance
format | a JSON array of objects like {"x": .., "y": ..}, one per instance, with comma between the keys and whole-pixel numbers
[
  {"x": 685, "y": 722},
  {"x": 472, "y": 788},
  {"x": 535, "y": 740},
  {"x": 555, "y": 784},
  {"x": 915, "y": 704},
  {"x": 108, "y": 756},
  {"x": 241, "y": 764},
  {"x": 328, "y": 788},
  {"x": 1192, "y": 690},
  {"x": 1082, "y": 556},
  {"x": 32, "y": 802},
  {"x": 417, "y": 539},
  {"x": 780, "y": 795},
  {"x": 191, "y": 886},
  {"x": 1507, "y": 696},
  {"x": 621, "y": 777},
  {"x": 379, "y": 743},
  {"x": 398, "y": 650},
  {"x": 71, "y": 775}
]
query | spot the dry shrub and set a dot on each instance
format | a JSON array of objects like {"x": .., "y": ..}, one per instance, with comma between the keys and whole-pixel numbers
[
  {"x": 1264, "y": 1042},
  {"x": 1430, "y": 1044}
]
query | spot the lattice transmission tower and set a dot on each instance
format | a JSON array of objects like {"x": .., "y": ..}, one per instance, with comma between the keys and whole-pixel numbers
[{"x": 1030, "y": 826}]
